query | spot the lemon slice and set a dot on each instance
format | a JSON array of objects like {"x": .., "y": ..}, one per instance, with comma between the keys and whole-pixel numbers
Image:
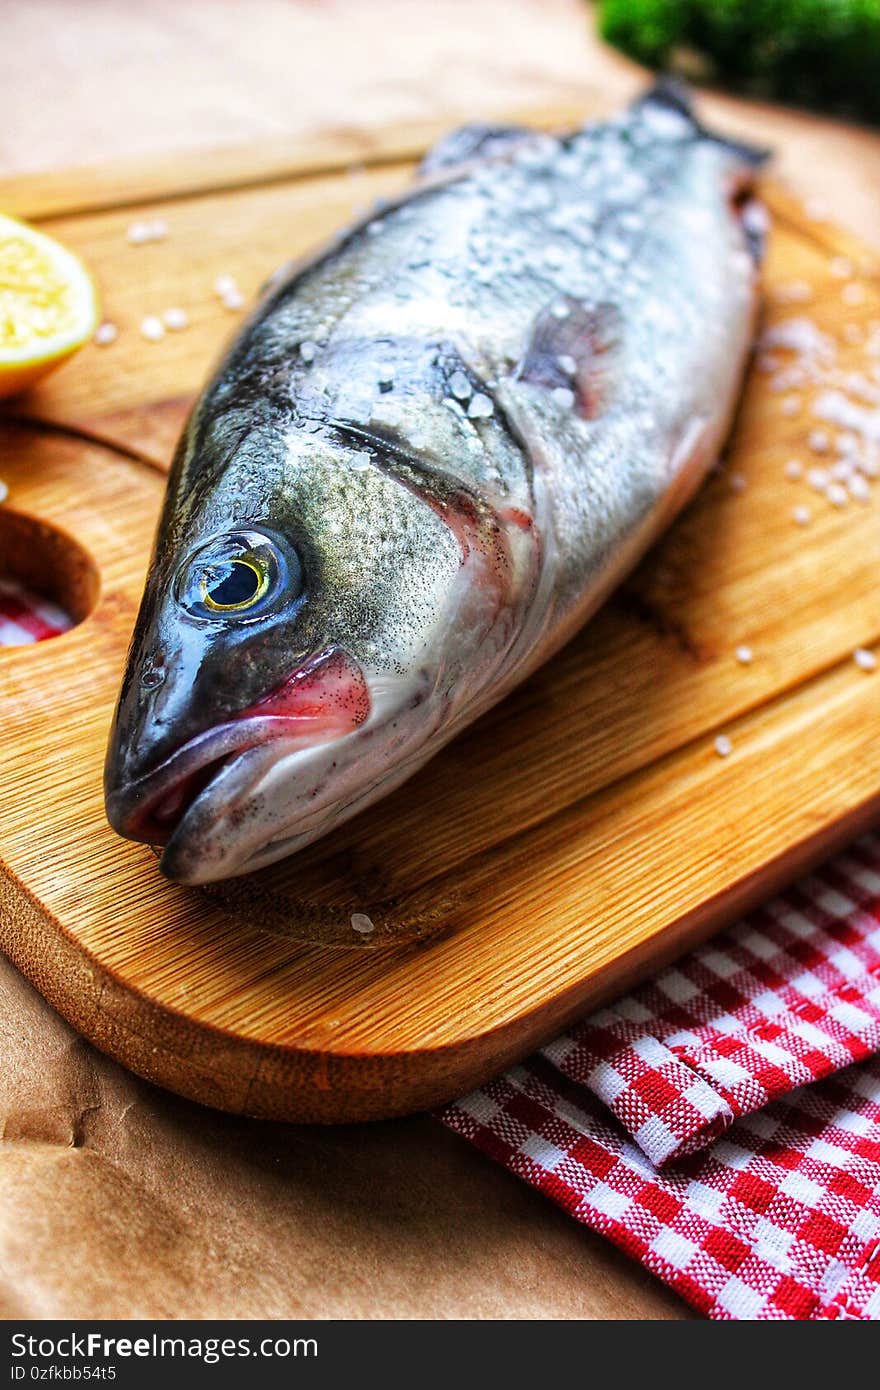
[{"x": 48, "y": 305}]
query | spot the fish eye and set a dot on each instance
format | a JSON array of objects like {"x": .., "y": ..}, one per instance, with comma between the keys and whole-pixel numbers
[
  {"x": 240, "y": 575},
  {"x": 233, "y": 584}
]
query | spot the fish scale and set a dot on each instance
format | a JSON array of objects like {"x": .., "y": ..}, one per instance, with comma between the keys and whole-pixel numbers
[{"x": 429, "y": 455}]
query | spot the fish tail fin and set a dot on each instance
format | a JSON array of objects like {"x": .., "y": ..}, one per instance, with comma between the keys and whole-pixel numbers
[{"x": 674, "y": 96}]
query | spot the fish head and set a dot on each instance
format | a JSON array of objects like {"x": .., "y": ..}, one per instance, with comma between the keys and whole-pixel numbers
[{"x": 299, "y": 640}]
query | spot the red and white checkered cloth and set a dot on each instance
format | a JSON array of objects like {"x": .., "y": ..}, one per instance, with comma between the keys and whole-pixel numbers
[
  {"x": 722, "y": 1123},
  {"x": 26, "y": 618},
  {"x": 713, "y": 1123}
]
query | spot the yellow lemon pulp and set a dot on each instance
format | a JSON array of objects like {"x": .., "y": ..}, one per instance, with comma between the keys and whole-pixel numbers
[{"x": 48, "y": 305}]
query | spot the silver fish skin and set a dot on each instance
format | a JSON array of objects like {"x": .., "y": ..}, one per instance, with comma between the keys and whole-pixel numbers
[{"x": 428, "y": 456}]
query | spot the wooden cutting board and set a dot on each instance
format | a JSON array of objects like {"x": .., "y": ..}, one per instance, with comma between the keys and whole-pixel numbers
[{"x": 569, "y": 843}]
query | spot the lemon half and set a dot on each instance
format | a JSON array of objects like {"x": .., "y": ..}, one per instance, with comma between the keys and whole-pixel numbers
[{"x": 48, "y": 305}]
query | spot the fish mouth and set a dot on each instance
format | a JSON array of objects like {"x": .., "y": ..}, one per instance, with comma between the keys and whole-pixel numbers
[{"x": 319, "y": 703}]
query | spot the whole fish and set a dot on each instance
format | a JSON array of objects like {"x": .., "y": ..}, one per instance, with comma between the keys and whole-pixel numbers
[{"x": 428, "y": 456}]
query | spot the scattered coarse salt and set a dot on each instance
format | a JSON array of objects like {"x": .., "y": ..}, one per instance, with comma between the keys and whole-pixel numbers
[
  {"x": 360, "y": 922},
  {"x": 225, "y": 284},
  {"x": 854, "y": 293},
  {"x": 723, "y": 746},
  {"x": 794, "y": 469},
  {"x": 152, "y": 328},
  {"x": 818, "y": 441},
  {"x": 308, "y": 351},
  {"x": 480, "y": 407},
  {"x": 563, "y": 396},
  {"x": 106, "y": 333},
  {"x": 737, "y": 482},
  {"x": 560, "y": 310},
  {"x": 460, "y": 386},
  {"x": 158, "y": 229},
  {"x": 865, "y": 659},
  {"x": 175, "y": 319},
  {"x": 791, "y": 405},
  {"x": 841, "y": 267},
  {"x": 843, "y": 470},
  {"x": 4, "y": 490},
  {"x": 837, "y": 495},
  {"x": 801, "y": 516},
  {"x": 232, "y": 300},
  {"x": 744, "y": 655},
  {"x": 567, "y": 364}
]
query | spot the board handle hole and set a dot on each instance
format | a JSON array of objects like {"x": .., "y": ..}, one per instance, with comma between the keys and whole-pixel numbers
[{"x": 39, "y": 562}]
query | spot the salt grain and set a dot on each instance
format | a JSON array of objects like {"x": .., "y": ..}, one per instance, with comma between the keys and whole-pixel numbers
[
  {"x": 859, "y": 488},
  {"x": 794, "y": 469},
  {"x": 791, "y": 405},
  {"x": 723, "y": 746},
  {"x": 480, "y": 407},
  {"x": 232, "y": 300},
  {"x": 837, "y": 495},
  {"x": 460, "y": 386},
  {"x": 106, "y": 333},
  {"x": 360, "y": 922},
  {"x": 853, "y": 294},
  {"x": 224, "y": 284},
  {"x": 139, "y": 233},
  {"x": 308, "y": 351},
  {"x": 818, "y": 441},
  {"x": 818, "y": 479},
  {"x": 4, "y": 490},
  {"x": 152, "y": 328},
  {"x": 563, "y": 396},
  {"x": 744, "y": 655},
  {"x": 567, "y": 364},
  {"x": 864, "y": 659},
  {"x": 175, "y": 319},
  {"x": 801, "y": 516}
]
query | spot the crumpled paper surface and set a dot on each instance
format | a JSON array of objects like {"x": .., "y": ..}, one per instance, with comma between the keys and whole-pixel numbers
[{"x": 118, "y": 1200}]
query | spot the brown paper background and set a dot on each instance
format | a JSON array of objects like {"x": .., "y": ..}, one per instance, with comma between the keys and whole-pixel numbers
[{"x": 116, "y": 1199}]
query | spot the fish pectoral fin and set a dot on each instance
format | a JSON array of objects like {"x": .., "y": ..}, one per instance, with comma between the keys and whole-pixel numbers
[
  {"x": 573, "y": 345},
  {"x": 470, "y": 142}
]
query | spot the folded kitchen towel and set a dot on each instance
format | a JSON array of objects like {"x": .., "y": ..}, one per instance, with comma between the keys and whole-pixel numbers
[{"x": 722, "y": 1123}]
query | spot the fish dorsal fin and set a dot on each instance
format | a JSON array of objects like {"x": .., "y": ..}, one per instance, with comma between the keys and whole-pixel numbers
[
  {"x": 470, "y": 142},
  {"x": 573, "y": 346}
]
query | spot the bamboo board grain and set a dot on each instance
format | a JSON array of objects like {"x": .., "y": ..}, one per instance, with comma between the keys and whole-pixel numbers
[{"x": 564, "y": 846}]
